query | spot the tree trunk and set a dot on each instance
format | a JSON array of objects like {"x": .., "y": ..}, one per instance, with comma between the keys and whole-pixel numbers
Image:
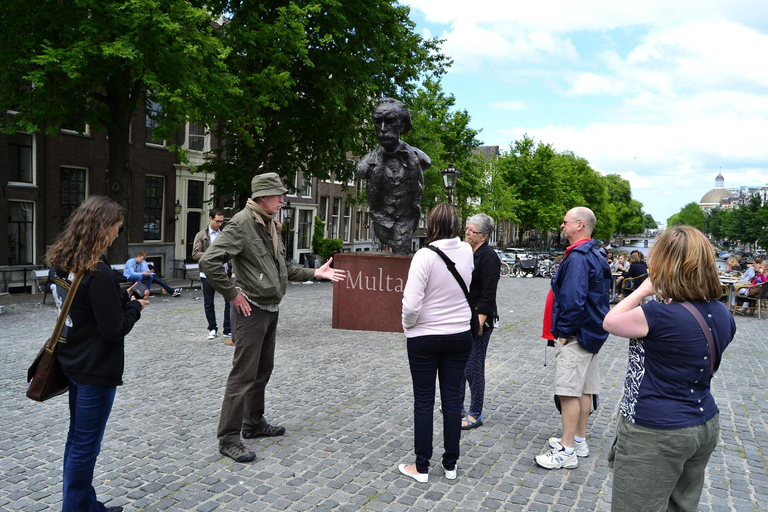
[{"x": 121, "y": 96}]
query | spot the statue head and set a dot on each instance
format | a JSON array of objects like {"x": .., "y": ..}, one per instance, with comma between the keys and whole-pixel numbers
[{"x": 391, "y": 118}]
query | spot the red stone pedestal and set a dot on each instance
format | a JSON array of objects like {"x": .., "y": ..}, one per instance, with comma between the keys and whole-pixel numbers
[{"x": 371, "y": 298}]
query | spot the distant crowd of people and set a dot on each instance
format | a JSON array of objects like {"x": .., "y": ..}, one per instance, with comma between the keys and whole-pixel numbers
[{"x": 668, "y": 425}]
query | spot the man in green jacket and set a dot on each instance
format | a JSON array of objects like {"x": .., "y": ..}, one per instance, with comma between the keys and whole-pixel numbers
[{"x": 252, "y": 244}]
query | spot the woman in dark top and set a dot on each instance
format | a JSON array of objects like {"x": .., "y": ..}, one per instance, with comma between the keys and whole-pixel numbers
[
  {"x": 669, "y": 424},
  {"x": 92, "y": 357},
  {"x": 637, "y": 269},
  {"x": 482, "y": 295}
]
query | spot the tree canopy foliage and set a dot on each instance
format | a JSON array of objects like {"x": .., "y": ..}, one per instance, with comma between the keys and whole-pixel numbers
[
  {"x": 690, "y": 215},
  {"x": 745, "y": 224},
  {"x": 310, "y": 71},
  {"x": 534, "y": 186},
  {"x": 97, "y": 61}
]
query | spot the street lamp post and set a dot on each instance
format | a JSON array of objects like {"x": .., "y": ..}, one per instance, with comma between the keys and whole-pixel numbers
[
  {"x": 450, "y": 175},
  {"x": 288, "y": 211}
]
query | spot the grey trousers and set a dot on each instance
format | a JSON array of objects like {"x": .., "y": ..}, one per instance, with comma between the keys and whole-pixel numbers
[
  {"x": 658, "y": 470},
  {"x": 252, "y": 364}
]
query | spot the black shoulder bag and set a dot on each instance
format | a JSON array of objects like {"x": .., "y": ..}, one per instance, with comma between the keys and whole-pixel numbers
[{"x": 474, "y": 322}]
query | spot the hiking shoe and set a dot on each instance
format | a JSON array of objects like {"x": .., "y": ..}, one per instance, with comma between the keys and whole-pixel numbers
[
  {"x": 580, "y": 449},
  {"x": 237, "y": 452},
  {"x": 212, "y": 335},
  {"x": 266, "y": 430},
  {"x": 176, "y": 292},
  {"x": 557, "y": 459}
]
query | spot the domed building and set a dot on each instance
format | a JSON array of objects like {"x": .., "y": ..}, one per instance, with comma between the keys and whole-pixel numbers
[{"x": 717, "y": 197}]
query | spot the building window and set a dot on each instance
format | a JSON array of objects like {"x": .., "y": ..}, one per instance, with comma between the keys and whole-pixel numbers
[
  {"x": 153, "y": 112},
  {"x": 20, "y": 160},
  {"x": 304, "y": 229},
  {"x": 195, "y": 194},
  {"x": 347, "y": 221},
  {"x": 306, "y": 191},
  {"x": 21, "y": 230},
  {"x": 333, "y": 231},
  {"x": 73, "y": 182},
  {"x": 153, "y": 207},
  {"x": 76, "y": 125},
  {"x": 196, "y": 137},
  {"x": 363, "y": 225},
  {"x": 322, "y": 209}
]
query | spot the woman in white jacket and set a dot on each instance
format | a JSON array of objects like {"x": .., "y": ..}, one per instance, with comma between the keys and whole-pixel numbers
[{"x": 436, "y": 322}]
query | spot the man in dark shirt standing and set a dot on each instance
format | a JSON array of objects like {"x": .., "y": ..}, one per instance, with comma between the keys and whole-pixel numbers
[{"x": 578, "y": 301}]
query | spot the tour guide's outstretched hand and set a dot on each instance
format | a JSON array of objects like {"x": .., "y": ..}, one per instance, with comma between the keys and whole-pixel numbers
[{"x": 326, "y": 272}]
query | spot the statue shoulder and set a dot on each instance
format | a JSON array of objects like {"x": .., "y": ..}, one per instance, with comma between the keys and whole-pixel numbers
[
  {"x": 366, "y": 164},
  {"x": 424, "y": 161}
]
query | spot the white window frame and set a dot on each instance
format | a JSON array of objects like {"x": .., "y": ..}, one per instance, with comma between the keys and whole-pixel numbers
[
  {"x": 347, "y": 229},
  {"x": 148, "y": 120},
  {"x": 205, "y": 136}
]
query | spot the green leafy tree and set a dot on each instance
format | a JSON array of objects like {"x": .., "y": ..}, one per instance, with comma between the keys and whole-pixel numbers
[
  {"x": 527, "y": 168},
  {"x": 311, "y": 71},
  {"x": 649, "y": 222},
  {"x": 98, "y": 60},
  {"x": 586, "y": 187},
  {"x": 689, "y": 215},
  {"x": 628, "y": 212},
  {"x": 445, "y": 136}
]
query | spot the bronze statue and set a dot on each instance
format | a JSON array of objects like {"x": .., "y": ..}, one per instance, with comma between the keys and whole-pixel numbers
[{"x": 395, "y": 177}]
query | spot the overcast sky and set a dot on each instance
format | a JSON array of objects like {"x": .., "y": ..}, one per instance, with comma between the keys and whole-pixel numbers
[{"x": 666, "y": 94}]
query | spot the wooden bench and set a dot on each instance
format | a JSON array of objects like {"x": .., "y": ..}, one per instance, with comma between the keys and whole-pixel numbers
[{"x": 192, "y": 272}]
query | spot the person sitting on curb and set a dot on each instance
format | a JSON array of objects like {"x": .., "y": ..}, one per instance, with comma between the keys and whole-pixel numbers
[{"x": 137, "y": 271}]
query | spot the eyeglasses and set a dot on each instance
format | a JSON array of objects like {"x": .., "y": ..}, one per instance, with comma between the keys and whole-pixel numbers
[
  {"x": 566, "y": 221},
  {"x": 120, "y": 229},
  {"x": 473, "y": 232}
]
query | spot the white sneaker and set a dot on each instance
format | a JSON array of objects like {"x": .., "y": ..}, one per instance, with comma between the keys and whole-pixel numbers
[
  {"x": 212, "y": 335},
  {"x": 176, "y": 292},
  {"x": 557, "y": 459},
  {"x": 581, "y": 449},
  {"x": 451, "y": 475}
]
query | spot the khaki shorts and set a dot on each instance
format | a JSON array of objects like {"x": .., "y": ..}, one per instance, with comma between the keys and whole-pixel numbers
[{"x": 576, "y": 370}]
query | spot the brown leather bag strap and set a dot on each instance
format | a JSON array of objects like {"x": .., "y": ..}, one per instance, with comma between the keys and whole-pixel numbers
[
  {"x": 707, "y": 334},
  {"x": 54, "y": 339}
]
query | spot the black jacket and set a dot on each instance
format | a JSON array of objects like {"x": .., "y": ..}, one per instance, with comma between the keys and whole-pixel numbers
[
  {"x": 485, "y": 279},
  {"x": 101, "y": 316}
]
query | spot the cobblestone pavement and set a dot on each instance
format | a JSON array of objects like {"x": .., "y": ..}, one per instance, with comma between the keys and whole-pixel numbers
[{"x": 345, "y": 398}]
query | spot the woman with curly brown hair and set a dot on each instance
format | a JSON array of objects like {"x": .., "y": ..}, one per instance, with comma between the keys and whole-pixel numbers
[{"x": 92, "y": 358}]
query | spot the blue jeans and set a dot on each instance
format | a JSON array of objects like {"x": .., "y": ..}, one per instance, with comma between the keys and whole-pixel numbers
[
  {"x": 148, "y": 280},
  {"x": 443, "y": 356},
  {"x": 210, "y": 308},
  {"x": 89, "y": 408}
]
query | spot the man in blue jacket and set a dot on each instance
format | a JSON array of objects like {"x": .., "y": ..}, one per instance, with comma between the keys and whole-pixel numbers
[{"x": 579, "y": 301}]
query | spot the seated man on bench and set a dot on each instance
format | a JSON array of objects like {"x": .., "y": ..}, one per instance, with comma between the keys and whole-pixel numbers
[{"x": 137, "y": 270}]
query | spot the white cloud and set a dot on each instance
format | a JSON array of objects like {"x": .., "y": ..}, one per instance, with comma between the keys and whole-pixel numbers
[
  {"x": 667, "y": 94},
  {"x": 509, "y": 105}
]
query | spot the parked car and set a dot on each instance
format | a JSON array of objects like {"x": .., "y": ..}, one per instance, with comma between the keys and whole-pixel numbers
[
  {"x": 505, "y": 257},
  {"x": 520, "y": 254}
]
